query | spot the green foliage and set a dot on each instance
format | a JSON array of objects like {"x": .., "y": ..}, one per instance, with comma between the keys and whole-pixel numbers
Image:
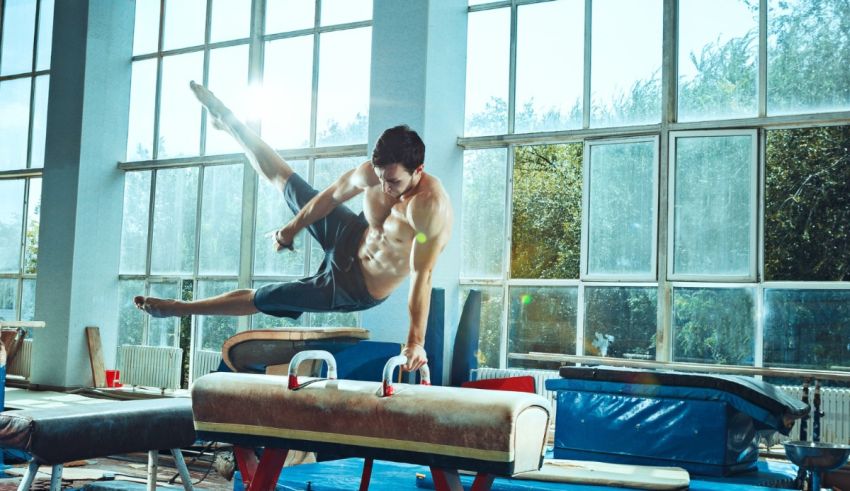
[
  {"x": 627, "y": 314},
  {"x": 714, "y": 325},
  {"x": 807, "y": 204},
  {"x": 546, "y": 211}
]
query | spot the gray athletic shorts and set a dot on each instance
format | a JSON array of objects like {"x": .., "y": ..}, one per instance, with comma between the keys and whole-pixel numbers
[{"x": 338, "y": 286}]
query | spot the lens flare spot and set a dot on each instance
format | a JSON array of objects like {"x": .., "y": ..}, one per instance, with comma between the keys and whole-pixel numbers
[
  {"x": 421, "y": 238},
  {"x": 526, "y": 299}
]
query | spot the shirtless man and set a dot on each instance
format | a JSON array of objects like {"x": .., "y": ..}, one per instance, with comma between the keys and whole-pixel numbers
[{"x": 406, "y": 223}]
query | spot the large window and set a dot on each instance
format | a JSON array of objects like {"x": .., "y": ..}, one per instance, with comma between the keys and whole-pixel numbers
[
  {"x": 196, "y": 216},
  {"x": 25, "y": 42},
  {"x": 707, "y": 176}
]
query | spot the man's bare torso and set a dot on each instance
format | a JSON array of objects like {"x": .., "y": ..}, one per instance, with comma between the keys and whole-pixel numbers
[{"x": 385, "y": 249}]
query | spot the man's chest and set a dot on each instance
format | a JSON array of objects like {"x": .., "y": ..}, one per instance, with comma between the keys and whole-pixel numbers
[{"x": 387, "y": 215}]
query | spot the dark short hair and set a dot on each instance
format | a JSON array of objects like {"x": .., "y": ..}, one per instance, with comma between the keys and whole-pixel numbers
[{"x": 399, "y": 145}]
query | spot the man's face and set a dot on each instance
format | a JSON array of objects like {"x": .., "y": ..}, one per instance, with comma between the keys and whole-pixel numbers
[{"x": 395, "y": 179}]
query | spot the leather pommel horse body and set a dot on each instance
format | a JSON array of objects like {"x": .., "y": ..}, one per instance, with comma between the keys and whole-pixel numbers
[{"x": 493, "y": 433}]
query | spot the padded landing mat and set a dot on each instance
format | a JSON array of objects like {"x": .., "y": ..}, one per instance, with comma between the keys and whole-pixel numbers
[{"x": 344, "y": 475}]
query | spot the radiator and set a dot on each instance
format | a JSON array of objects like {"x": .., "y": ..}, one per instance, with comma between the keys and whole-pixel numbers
[
  {"x": 23, "y": 360},
  {"x": 835, "y": 404},
  {"x": 205, "y": 362},
  {"x": 151, "y": 366}
]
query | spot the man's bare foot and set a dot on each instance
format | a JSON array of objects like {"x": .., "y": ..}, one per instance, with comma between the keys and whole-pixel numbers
[
  {"x": 156, "y": 307},
  {"x": 216, "y": 109}
]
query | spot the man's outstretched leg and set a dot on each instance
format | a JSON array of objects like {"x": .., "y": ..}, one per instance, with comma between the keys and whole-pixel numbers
[
  {"x": 263, "y": 158},
  {"x": 237, "y": 302}
]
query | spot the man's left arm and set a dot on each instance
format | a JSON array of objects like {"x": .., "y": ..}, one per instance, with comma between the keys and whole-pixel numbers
[{"x": 429, "y": 218}]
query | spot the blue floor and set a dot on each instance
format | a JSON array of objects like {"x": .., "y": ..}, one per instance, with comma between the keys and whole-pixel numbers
[{"x": 339, "y": 475}]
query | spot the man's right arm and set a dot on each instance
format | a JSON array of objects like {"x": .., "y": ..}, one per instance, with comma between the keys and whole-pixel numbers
[{"x": 347, "y": 186}]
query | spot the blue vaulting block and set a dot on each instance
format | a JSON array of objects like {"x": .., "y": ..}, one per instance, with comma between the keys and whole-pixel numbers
[{"x": 706, "y": 424}]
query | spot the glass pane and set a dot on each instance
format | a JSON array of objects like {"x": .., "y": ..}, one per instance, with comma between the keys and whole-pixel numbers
[
  {"x": 334, "y": 319},
  {"x": 272, "y": 214},
  {"x": 287, "y": 93},
  {"x": 131, "y": 321},
  {"x": 18, "y": 37},
  {"x": 713, "y": 216},
  {"x": 142, "y": 106},
  {"x": 718, "y": 60},
  {"x": 11, "y": 223},
  {"x": 134, "y": 232},
  {"x": 542, "y": 319},
  {"x": 714, "y": 325},
  {"x": 14, "y": 129},
  {"x": 807, "y": 329},
  {"x": 39, "y": 121},
  {"x": 620, "y": 322},
  {"x": 163, "y": 332},
  {"x": 342, "y": 11},
  {"x": 185, "y": 21},
  {"x": 263, "y": 321},
  {"x": 343, "y": 97},
  {"x": 490, "y": 329},
  {"x": 546, "y": 232},
  {"x": 549, "y": 91},
  {"x": 146, "y": 32},
  {"x": 621, "y": 197},
  {"x": 289, "y": 15},
  {"x": 231, "y": 19},
  {"x": 221, "y": 220},
  {"x": 487, "y": 61},
  {"x": 33, "y": 223},
  {"x": 807, "y": 175},
  {"x": 8, "y": 299},
  {"x": 28, "y": 300},
  {"x": 484, "y": 194},
  {"x": 173, "y": 244},
  {"x": 626, "y": 60},
  {"x": 326, "y": 171},
  {"x": 214, "y": 329},
  {"x": 180, "y": 113},
  {"x": 807, "y": 56},
  {"x": 45, "y": 35},
  {"x": 228, "y": 79}
]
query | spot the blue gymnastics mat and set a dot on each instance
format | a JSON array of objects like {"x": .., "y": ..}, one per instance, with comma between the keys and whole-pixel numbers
[{"x": 344, "y": 475}]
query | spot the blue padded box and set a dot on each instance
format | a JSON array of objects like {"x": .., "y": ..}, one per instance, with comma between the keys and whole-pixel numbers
[{"x": 706, "y": 424}]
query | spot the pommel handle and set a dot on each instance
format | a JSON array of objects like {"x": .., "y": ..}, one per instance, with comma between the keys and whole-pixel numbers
[
  {"x": 310, "y": 355},
  {"x": 387, "y": 388}
]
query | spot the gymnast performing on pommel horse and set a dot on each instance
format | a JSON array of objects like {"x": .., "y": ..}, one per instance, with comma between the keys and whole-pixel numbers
[
  {"x": 405, "y": 224},
  {"x": 493, "y": 433}
]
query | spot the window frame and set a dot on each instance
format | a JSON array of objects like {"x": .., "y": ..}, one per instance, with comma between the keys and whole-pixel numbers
[{"x": 585, "y": 274}]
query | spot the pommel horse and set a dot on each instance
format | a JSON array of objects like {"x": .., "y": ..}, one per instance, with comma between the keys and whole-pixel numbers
[{"x": 492, "y": 433}]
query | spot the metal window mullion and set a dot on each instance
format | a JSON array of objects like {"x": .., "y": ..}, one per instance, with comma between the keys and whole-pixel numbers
[
  {"x": 158, "y": 89},
  {"x": 580, "y": 318},
  {"x": 250, "y": 184},
  {"x": 314, "y": 96},
  {"x": 506, "y": 263},
  {"x": 512, "y": 70},
  {"x": 588, "y": 45},
  {"x": 317, "y": 30},
  {"x": 149, "y": 254},
  {"x": 19, "y": 294},
  {"x": 205, "y": 77},
  {"x": 195, "y": 334},
  {"x": 28, "y": 162},
  {"x": 762, "y": 63}
]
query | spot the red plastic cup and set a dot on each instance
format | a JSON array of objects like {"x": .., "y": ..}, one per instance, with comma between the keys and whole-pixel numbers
[{"x": 112, "y": 378}]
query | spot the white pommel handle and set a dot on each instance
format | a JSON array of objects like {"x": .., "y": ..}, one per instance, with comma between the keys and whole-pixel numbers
[
  {"x": 387, "y": 388},
  {"x": 310, "y": 355}
]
